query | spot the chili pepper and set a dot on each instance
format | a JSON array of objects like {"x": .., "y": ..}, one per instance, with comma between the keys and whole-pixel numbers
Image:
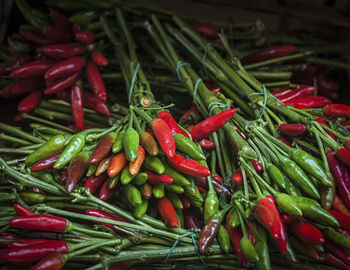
[
  {"x": 287, "y": 204},
  {"x": 168, "y": 118},
  {"x": 101, "y": 214},
  {"x": 309, "y": 102},
  {"x": 61, "y": 51},
  {"x": 303, "y": 249},
  {"x": 177, "y": 176},
  {"x": 159, "y": 179},
  {"x": 218, "y": 178},
  {"x": 131, "y": 143},
  {"x": 186, "y": 114},
  {"x": 46, "y": 163},
  {"x": 335, "y": 237},
  {"x": 211, "y": 124},
  {"x": 76, "y": 169},
  {"x": 167, "y": 212},
  {"x": 103, "y": 148},
  {"x": 265, "y": 211},
  {"x": 188, "y": 147},
  {"x": 55, "y": 35},
  {"x": 268, "y": 53},
  {"x": 146, "y": 191},
  {"x": 337, "y": 111},
  {"x": 320, "y": 121},
  {"x": 175, "y": 188},
  {"x": 190, "y": 220},
  {"x": 193, "y": 193},
  {"x": 15, "y": 63},
  {"x": 343, "y": 220},
  {"x": 276, "y": 175},
  {"x": 206, "y": 144},
  {"x": 33, "y": 253},
  {"x": 341, "y": 177},
  {"x": 284, "y": 140},
  {"x": 205, "y": 30},
  {"x": 281, "y": 92},
  {"x": 141, "y": 209},
  {"x": 118, "y": 144},
  {"x": 188, "y": 166},
  {"x": 292, "y": 129},
  {"x": 117, "y": 164},
  {"x": 42, "y": 223},
  {"x": 32, "y": 69},
  {"x": 94, "y": 182},
  {"x": 140, "y": 178},
  {"x": 77, "y": 105},
  {"x": 185, "y": 201},
  {"x": 301, "y": 91},
  {"x": 65, "y": 67},
  {"x": 134, "y": 166},
  {"x": 76, "y": 143},
  {"x": 106, "y": 192},
  {"x": 175, "y": 200},
  {"x": 334, "y": 261},
  {"x": 103, "y": 165},
  {"x": 126, "y": 177},
  {"x": 248, "y": 249},
  {"x": 34, "y": 36},
  {"x": 327, "y": 195},
  {"x": 154, "y": 164},
  {"x": 21, "y": 210},
  {"x": 95, "y": 81},
  {"x": 7, "y": 92},
  {"x": 223, "y": 239},
  {"x": 339, "y": 206},
  {"x": 113, "y": 181},
  {"x": 62, "y": 84},
  {"x": 164, "y": 137},
  {"x": 344, "y": 156},
  {"x": 25, "y": 86},
  {"x": 8, "y": 236},
  {"x": 99, "y": 59},
  {"x": 149, "y": 143},
  {"x": 86, "y": 37},
  {"x": 307, "y": 233},
  {"x": 237, "y": 177},
  {"x": 337, "y": 251},
  {"x": 28, "y": 243},
  {"x": 133, "y": 195}
]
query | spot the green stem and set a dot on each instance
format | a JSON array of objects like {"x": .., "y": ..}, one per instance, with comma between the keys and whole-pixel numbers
[
  {"x": 218, "y": 152},
  {"x": 273, "y": 76},
  {"x": 15, "y": 151},
  {"x": 13, "y": 139},
  {"x": 49, "y": 123},
  {"x": 19, "y": 132},
  {"x": 328, "y": 62},
  {"x": 93, "y": 232}
]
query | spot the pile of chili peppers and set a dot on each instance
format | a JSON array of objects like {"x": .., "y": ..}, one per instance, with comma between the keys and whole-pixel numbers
[{"x": 254, "y": 175}]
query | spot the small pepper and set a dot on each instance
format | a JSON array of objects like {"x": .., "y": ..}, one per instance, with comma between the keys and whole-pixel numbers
[
  {"x": 164, "y": 137},
  {"x": 103, "y": 148},
  {"x": 117, "y": 164},
  {"x": 188, "y": 147},
  {"x": 64, "y": 68},
  {"x": 21, "y": 210},
  {"x": 206, "y": 144},
  {"x": 35, "y": 68},
  {"x": 95, "y": 81},
  {"x": 46, "y": 163},
  {"x": 41, "y": 223},
  {"x": 134, "y": 166},
  {"x": 339, "y": 206},
  {"x": 61, "y": 51},
  {"x": 74, "y": 146},
  {"x": 159, "y": 179},
  {"x": 337, "y": 110},
  {"x": 188, "y": 166},
  {"x": 76, "y": 169},
  {"x": 101, "y": 214},
  {"x": 343, "y": 220},
  {"x": 292, "y": 129},
  {"x": 77, "y": 105},
  {"x": 167, "y": 212},
  {"x": 168, "y": 118},
  {"x": 149, "y": 143},
  {"x": 190, "y": 220},
  {"x": 307, "y": 233},
  {"x": 99, "y": 59},
  {"x": 94, "y": 182}
]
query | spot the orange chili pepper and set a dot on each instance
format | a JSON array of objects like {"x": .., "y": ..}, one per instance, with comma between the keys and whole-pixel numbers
[
  {"x": 117, "y": 164},
  {"x": 134, "y": 166}
]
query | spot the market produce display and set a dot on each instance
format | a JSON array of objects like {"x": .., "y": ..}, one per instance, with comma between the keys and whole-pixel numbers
[{"x": 148, "y": 141}]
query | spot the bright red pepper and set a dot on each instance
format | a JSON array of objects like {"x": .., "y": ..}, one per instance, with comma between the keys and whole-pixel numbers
[
  {"x": 56, "y": 36},
  {"x": 159, "y": 179},
  {"x": 337, "y": 111},
  {"x": 190, "y": 110},
  {"x": 257, "y": 166},
  {"x": 32, "y": 69},
  {"x": 344, "y": 156},
  {"x": 30, "y": 102},
  {"x": 21, "y": 210},
  {"x": 93, "y": 102},
  {"x": 65, "y": 68},
  {"x": 168, "y": 118},
  {"x": 26, "y": 86},
  {"x": 61, "y": 51},
  {"x": 34, "y": 36},
  {"x": 332, "y": 260},
  {"x": 101, "y": 214},
  {"x": 344, "y": 220},
  {"x": 211, "y": 124},
  {"x": 268, "y": 53},
  {"x": 167, "y": 212},
  {"x": 15, "y": 63},
  {"x": 320, "y": 121},
  {"x": 61, "y": 21},
  {"x": 292, "y": 129},
  {"x": 237, "y": 177},
  {"x": 206, "y": 144},
  {"x": 41, "y": 223},
  {"x": 188, "y": 166},
  {"x": 8, "y": 236},
  {"x": 337, "y": 251},
  {"x": 164, "y": 137},
  {"x": 77, "y": 105},
  {"x": 284, "y": 140},
  {"x": 106, "y": 192},
  {"x": 86, "y": 37},
  {"x": 265, "y": 211},
  {"x": 218, "y": 178},
  {"x": 190, "y": 220},
  {"x": 95, "y": 81},
  {"x": 62, "y": 83},
  {"x": 281, "y": 92},
  {"x": 307, "y": 233},
  {"x": 94, "y": 182},
  {"x": 301, "y": 91},
  {"x": 99, "y": 59},
  {"x": 309, "y": 102},
  {"x": 205, "y": 30},
  {"x": 46, "y": 163},
  {"x": 53, "y": 261},
  {"x": 28, "y": 243}
]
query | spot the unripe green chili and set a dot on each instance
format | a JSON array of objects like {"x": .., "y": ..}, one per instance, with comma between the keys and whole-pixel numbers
[
  {"x": 158, "y": 191},
  {"x": 141, "y": 209},
  {"x": 153, "y": 164},
  {"x": 287, "y": 204},
  {"x": 248, "y": 249},
  {"x": 276, "y": 175},
  {"x": 140, "y": 178},
  {"x": 133, "y": 195},
  {"x": 193, "y": 194},
  {"x": 188, "y": 147},
  {"x": 74, "y": 146},
  {"x": 290, "y": 254},
  {"x": 211, "y": 203},
  {"x": 335, "y": 237},
  {"x": 175, "y": 200},
  {"x": 118, "y": 143},
  {"x": 179, "y": 178},
  {"x": 262, "y": 250},
  {"x": 234, "y": 220},
  {"x": 113, "y": 181},
  {"x": 91, "y": 170},
  {"x": 224, "y": 239},
  {"x": 175, "y": 188},
  {"x": 126, "y": 177},
  {"x": 291, "y": 189},
  {"x": 131, "y": 143}
]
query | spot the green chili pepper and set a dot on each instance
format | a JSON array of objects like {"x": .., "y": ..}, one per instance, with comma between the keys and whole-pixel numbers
[
  {"x": 193, "y": 194},
  {"x": 291, "y": 189},
  {"x": 76, "y": 143},
  {"x": 140, "y": 178},
  {"x": 54, "y": 145},
  {"x": 175, "y": 200},
  {"x": 175, "y": 188},
  {"x": 248, "y": 213},
  {"x": 131, "y": 141},
  {"x": 84, "y": 17},
  {"x": 336, "y": 237},
  {"x": 234, "y": 220},
  {"x": 133, "y": 195},
  {"x": 47, "y": 130},
  {"x": 154, "y": 164},
  {"x": 310, "y": 164},
  {"x": 224, "y": 239},
  {"x": 319, "y": 248},
  {"x": 180, "y": 217},
  {"x": 146, "y": 190},
  {"x": 179, "y": 178},
  {"x": 126, "y": 177},
  {"x": 314, "y": 180},
  {"x": 141, "y": 209},
  {"x": 32, "y": 197},
  {"x": 248, "y": 249},
  {"x": 262, "y": 250},
  {"x": 118, "y": 143},
  {"x": 276, "y": 175},
  {"x": 211, "y": 202},
  {"x": 298, "y": 176},
  {"x": 113, "y": 181},
  {"x": 287, "y": 204},
  {"x": 158, "y": 191},
  {"x": 188, "y": 147},
  {"x": 91, "y": 169},
  {"x": 290, "y": 254}
]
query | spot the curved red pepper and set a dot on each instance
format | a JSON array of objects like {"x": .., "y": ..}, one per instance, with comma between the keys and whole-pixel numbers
[
  {"x": 28, "y": 243},
  {"x": 281, "y": 92},
  {"x": 167, "y": 212},
  {"x": 301, "y": 91},
  {"x": 53, "y": 261},
  {"x": 284, "y": 140},
  {"x": 15, "y": 63},
  {"x": 62, "y": 83},
  {"x": 185, "y": 201},
  {"x": 99, "y": 59},
  {"x": 30, "y": 102},
  {"x": 188, "y": 166},
  {"x": 257, "y": 166},
  {"x": 26, "y": 86},
  {"x": 211, "y": 124},
  {"x": 46, "y": 163},
  {"x": 8, "y": 236},
  {"x": 159, "y": 179},
  {"x": 307, "y": 233},
  {"x": 95, "y": 81},
  {"x": 61, "y": 51},
  {"x": 164, "y": 137},
  {"x": 292, "y": 129},
  {"x": 206, "y": 144},
  {"x": 332, "y": 260},
  {"x": 337, "y": 110},
  {"x": 93, "y": 102},
  {"x": 106, "y": 192},
  {"x": 65, "y": 68},
  {"x": 268, "y": 53},
  {"x": 94, "y": 182},
  {"x": 77, "y": 105},
  {"x": 190, "y": 110},
  {"x": 32, "y": 69},
  {"x": 168, "y": 118},
  {"x": 237, "y": 177},
  {"x": 309, "y": 102},
  {"x": 101, "y": 214},
  {"x": 86, "y": 37},
  {"x": 21, "y": 210},
  {"x": 40, "y": 223},
  {"x": 76, "y": 170},
  {"x": 344, "y": 220}
]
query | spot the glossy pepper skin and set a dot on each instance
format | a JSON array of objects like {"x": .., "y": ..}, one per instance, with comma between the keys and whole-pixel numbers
[
  {"x": 41, "y": 222},
  {"x": 30, "y": 102},
  {"x": 46, "y": 163},
  {"x": 131, "y": 143},
  {"x": 268, "y": 53},
  {"x": 344, "y": 156},
  {"x": 344, "y": 220},
  {"x": 164, "y": 137},
  {"x": 103, "y": 148},
  {"x": 309, "y": 102},
  {"x": 77, "y": 105},
  {"x": 33, "y": 69},
  {"x": 94, "y": 182},
  {"x": 99, "y": 59},
  {"x": 117, "y": 164},
  {"x": 206, "y": 144},
  {"x": 95, "y": 81},
  {"x": 149, "y": 143},
  {"x": 62, "y": 51},
  {"x": 64, "y": 68},
  {"x": 28, "y": 242},
  {"x": 106, "y": 192},
  {"x": 167, "y": 212},
  {"x": 339, "y": 206},
  {"x": 14, "y": 63},
  {"x": 320, "y": 121},
  {"x": 337, "y": 111},
  {"x": 303, "y": 249},
  {"x": 265, "y": 211},
  {"x": 307, "y": 233},
  {"x": 159, "y": 179},
  {"x": 86, "y": 37},
  {"x": 301, "y": 91},
  {"x": 53, "y": 261},
  {"x": 74, "y": 146},
  {"x": 292, "y": 129},
  {"x": 62, "y": 84},
  {"x": 135, "y": 166},
  {"x": 188, "y": 166},
  {"x": 168, "y": 118},
  {"x": 211, "y": 124},
  {"x": 21, "y": 210},
  {"x": 188, "y": 147},
  {"x": 101, "y": 214},
  {"x": 76, "y": 169}
]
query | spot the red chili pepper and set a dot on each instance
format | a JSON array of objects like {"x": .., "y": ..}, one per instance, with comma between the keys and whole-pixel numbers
[
  {"x": 188, "y": 166},
  {"x": 21, "y": 210},
  {"x": 56, "y": 36},
  {"x": 28, "y": 243},
  {"x": 339, "y": 206},
  {"x": 159, "y": 179},
  {"x": 60, "y": 21},
  {"x": 164, "y": 137},
  {"x": 64, "y": 177},
  {"x": 95, "y": 81},
  {"x": 190, "y": 220},
  {"x": 320, "y": 121},
  {"x": 284, "y": 140},
  {"x": 86, "y": 37},
  {"x": 30, "y": 102},
  {"x": 344, "y": 156},
  {"x": 94, "y": 182},
  {"x": 61, "y": 51},
  {"x": 257, "y": 166},
  {"x": 309, "y": 102},
  {"x": 281, "y": 92},
  {"x": 168, "y": 118},
  {"x": 167, "y": 212},
  {"x": 46, "y": 163},
  {"x": 99, "y": 59},
  {"x": 265, "y": 211},
  {"x": 53, "y": 261},
  {"x": 40, "y": 223},
  {"x": 268, "y": 53},
  {"x": 201, "y": 189},
  {"x": 34, "y": 36},
  {"x": 106, "y": 192},
  {"x": 76, "y": 170},
  {"x": 307, "y": 233},
  {"x": 77, "y": 105},
  {"x": 190, "y": 110},
  {"x": 215, "y": 90},
  {"x": 218, "y": 178},
  {"x": 211, "y": 124},
  {"x": 330, "y": 259},
  {"x": 32, "y": 69},
  {"x": 292, "y": 129},
  {"x": 26, "y": 86},
  {"x": 65, "y": 68},
  {"x": 8, "y": 236},
  {"x": 101, "y": 214},
  {"x": 7, "y": 92},
  {"x": 62, "y": 83},
  {"x": 301, "y": 91},
  {"x": 206, "y": 144},
  {"x": 337, "y": 111},
  {"x": 93, "y": 102},
  {"x": 337, "y": 251},
  {"x": 14, "y": 63},
  {"x": 237, "y": 177},
  {"x": 185, "y": 201},
  {"x": 205, "y": 30},
  {"x": 344, "y": 220},
  {"x": 30, "y": 254},
  {"x": 341, "y": 177}
]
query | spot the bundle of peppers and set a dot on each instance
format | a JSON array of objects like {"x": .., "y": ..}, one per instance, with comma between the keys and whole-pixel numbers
[{"x": 247, "y": 171}]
